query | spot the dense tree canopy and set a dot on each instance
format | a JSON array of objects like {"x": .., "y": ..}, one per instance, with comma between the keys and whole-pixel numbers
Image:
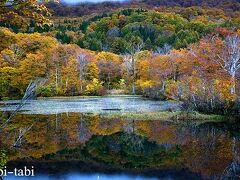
[
  {"x": 61, "y": 9},
  {"x": 117, "y": 30},
  {"x": 18, "y": 14},
  {"x": 187, "y": 54}
]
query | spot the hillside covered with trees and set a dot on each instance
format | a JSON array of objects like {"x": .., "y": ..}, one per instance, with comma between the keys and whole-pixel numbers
[
  {"x": 117, "y": 30},
  {"x": 189, "y": 54},
  {"x": 231, "y": 7}
]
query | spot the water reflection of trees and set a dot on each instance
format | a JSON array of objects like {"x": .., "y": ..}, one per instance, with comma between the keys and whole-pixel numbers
[
  {"x": 84, "y": 132},
  {"x": 137, "y": 132},
  {"x": 232, "y": 171},
  {"x": 131, "y": 138},
  {"x": 207, "y": 148},
  {"x": 3, "y": 158},
  {"x": 19, "y": 136}
]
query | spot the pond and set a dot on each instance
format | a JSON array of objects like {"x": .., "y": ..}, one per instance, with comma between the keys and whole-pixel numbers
[
  {"x": 91, "y": 105},
  {"x": 80, "y": 145}
]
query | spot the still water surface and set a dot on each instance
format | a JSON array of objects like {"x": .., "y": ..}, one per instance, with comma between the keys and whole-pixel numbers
[
  {"x": 91, "y": 105},
  {"x": 77, "y": 145}
]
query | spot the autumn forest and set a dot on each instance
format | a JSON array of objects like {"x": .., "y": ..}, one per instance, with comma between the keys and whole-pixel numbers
[
  {"x": 188, "y": 54},
  {"x": 120, "y": 89}
]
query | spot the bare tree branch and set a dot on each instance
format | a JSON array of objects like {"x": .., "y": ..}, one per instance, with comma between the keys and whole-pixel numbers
[{"x": 29, "y": 94}]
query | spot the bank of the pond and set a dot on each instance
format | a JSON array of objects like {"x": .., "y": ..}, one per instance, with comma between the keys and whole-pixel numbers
[
  {"x": 85, "y": 97},
  {"x": 73, "y": 97},
  {"x": 177, "y": 116}
]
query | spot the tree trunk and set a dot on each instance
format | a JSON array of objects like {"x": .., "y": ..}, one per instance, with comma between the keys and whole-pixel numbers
[
  {"x": 233, "y": 84},
  {"x": 133, "y": 88},
  {"x": 56, "y": 78},
  {"x": 134, "y": 76},
  {"x": 66, "y": 84},
  {"x": 81, "y": 80},
  {"x": 109, "y": 79},
  {"x": 81, "y": 86},
  {"x": 175, "y": 78}
]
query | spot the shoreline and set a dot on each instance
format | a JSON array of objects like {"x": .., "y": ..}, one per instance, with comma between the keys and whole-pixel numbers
[
  {"x": 84, "y": 97},
  {"x": 74, "y": 97},
  {"x": 167, "y": 116}
]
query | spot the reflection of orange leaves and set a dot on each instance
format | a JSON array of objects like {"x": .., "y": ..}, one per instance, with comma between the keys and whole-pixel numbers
[{"x": 194, "y": 159}]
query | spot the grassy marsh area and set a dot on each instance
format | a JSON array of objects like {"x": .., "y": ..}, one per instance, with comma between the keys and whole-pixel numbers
[{"x": 166, "y": 116}]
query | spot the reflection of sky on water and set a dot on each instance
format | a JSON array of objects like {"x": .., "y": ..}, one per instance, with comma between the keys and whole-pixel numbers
[
  {"x": 79, "y": 176},
  {"x": 92, "y": 105}
]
